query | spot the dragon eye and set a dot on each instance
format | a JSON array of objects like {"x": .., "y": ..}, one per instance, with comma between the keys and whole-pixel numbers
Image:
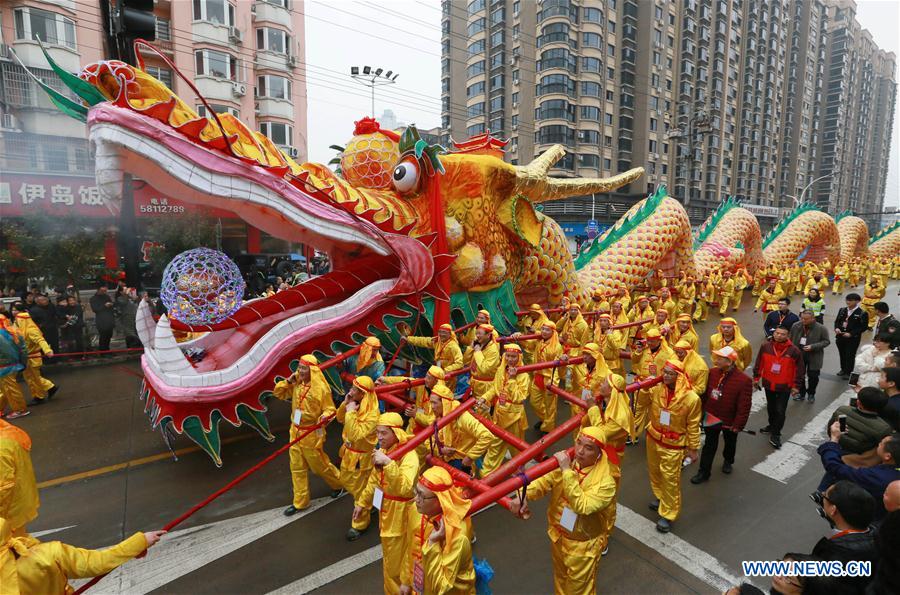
[{"x": 406, "y": 176}]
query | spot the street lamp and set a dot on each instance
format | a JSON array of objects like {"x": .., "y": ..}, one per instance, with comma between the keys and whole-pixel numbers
[
  {"x": 799, "y": 201},
  {"x": 373, "y": 77}
]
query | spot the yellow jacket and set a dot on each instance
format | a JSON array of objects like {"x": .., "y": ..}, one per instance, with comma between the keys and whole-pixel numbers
[
  {"x": 768, "y": 300},
  {"x": 685, "y": 410},
  {"x": 466, "y": 435},
  {"x": 578, "y": 332},
  {"x": 359, "y": 432},
  {"x": 396, "y": 481},
  {"x": 448, "y": 570},
  {"x": 46, "y": 568},
  {"x": 19, "y": 500},
  {"x": 34, "y": 338},
  {"x": 640, "y": 362},
  {"x": 424, "y": 416},
  {"x": 726, "y": 288},
  {"x": 484, "y": 366},
  {"x": 821, "y": 285},
  {"x": 314, "y": 401},
  {"x": 507, "y": 397},
  {"x": 586, "y": 492},
  {"x": 544, "y": 351},
  {"x": 739, "y": 344},
  {"x": 610, "y": 346},
  {"x": 590, "y": 379},
  {"x": 446, "y": 355},
  {"x": 697, "y": 370},
  {"x": 690, "y": 336}
]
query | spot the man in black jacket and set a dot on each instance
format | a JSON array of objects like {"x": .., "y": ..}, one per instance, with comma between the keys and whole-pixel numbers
[
  {"x": 780, "y": 317},
  {"x": 44, "y": 315},
  {"x": 885, "y": 322},
  {"x": 104, "y": 317},
  {"x": 849, "y": 326},
  {"x": 70, "y": 315},
  {"x": 850, "y": 510}
]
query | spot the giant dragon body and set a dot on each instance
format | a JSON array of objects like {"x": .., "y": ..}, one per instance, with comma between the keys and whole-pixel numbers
[{"x": 378, "y": 225}]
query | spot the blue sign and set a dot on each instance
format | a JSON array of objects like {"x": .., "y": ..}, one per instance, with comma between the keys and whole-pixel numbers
[
  {"x": 581, "y": 229},
  {"x": 592, "y": 228}
]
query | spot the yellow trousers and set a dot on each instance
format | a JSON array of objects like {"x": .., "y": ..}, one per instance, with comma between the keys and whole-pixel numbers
[
  {"x": 544, "y": 403},
  {"x": 837, "y": 286},
  {"x": 304, "y": 460},
  {"x": 11, "y": 394},
  {"x": 870, "y": 310},
  {"x": 701, "y": 310},
  {"x": 641, "y": 410},
  {"x": 37, "y": 384},
  {"x": 664, "y": 465},
  {"x": 724, "y": 300},
  {"x": 575, "y": 566},
  {"x": 354, "y": 481},
  {"x": 496, "y": 452},
  {"x": 395, "y": 550},
  {"x": 736, "y": 300}
]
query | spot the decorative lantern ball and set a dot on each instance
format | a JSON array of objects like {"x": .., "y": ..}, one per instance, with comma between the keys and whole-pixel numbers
[{"x": 202, "y": 286}]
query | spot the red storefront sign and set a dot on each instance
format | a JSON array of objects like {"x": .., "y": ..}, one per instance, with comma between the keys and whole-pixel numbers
[{"x": 61, "y": 195}]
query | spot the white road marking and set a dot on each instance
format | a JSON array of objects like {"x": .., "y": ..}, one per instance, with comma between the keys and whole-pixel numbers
[
  {"x": 187, "y": 550},
  {"x": 331, "y": 573},
  {"x": 797, "y": 450},
  {"x": 51, "y": 531},
  {"x": 694, "y": 560},
  {"x": 759, "y": 401}
]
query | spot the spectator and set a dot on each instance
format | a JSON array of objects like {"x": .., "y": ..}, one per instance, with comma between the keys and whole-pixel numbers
[
  {"x": 29, "y": 300},
  {"x": 780, "y": 317},
  {"x": 126, "y": 312},
  {"x": 849, "y": 326},
  {"x": 811, "y": 337},
  {"x": 889, "y": 382},
  {"x": 850, "y": 510},
  {"x": 873, "y": 479},
  {"x": 726, "y": 405},
  {"x": 884, "y": 320},
  {"x": 871, "y": 359},
  {"x": 780, "y": 371},
  {"x": 886, "y": 575},
  {"x": 44, "y": 315},
  {"x": 71, "y": 322},
  {"x": 891, "y": 497},
  {"x": 814, "y": 302},
  {"x": 865, "y": 427},
  {"x": 104, "y": 318}
]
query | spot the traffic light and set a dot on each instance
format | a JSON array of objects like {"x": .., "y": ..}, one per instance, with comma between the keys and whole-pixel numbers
[{"x": 126, "y": 21}]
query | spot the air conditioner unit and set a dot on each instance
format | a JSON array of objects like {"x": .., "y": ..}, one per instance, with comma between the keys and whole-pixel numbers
[
  {"x": 9, "y": 122},
  {"x": 235, "y": 35},
  {"x": 292, "y": 61},
  {"x": 239, "y": 90}
]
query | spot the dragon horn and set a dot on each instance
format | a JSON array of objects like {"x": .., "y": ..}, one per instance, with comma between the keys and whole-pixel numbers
[{"x": 532, "y": 180}]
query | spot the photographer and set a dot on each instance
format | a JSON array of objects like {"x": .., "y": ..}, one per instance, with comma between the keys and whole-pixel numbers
[
  {"x": 865, "y": 427},
  {"x": 70, "y": 316}
]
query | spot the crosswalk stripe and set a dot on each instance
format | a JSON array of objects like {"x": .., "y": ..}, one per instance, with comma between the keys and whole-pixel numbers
[{"x": 331, "y": 573}]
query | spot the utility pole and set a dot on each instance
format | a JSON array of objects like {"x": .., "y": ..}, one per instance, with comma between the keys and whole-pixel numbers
[
  {"x": 371, "y": 78},
  {"x": 698, "y": 123},
  {"x": 123, "y": 23}
]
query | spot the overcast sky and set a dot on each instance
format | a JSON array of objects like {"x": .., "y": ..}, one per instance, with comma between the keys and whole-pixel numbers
[{"x": 404, "y": 36}]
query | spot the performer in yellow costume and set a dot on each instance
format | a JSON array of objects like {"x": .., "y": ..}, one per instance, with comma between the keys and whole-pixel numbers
[
  {"x": 580, "y": 491},
  {"x": 817, "y": 280},
  {"x": 684, "y": 331},
  {"x": 727, "y": 290},
  {"x": 447, "y": 353},
  {"x": 574, "y": 331},
  {"x": 485, "y": 359},
  {"x": 441, "y": 552},
  {"x": 359, "y": 414},
  {"x": 462, "y": 441},
  {"x": 467, "y": 339},
  {"x": 390, "y": 489},
  {"x": 610, "y": 412},
  {"x": 661, "y": 323},
  {"x": 841, "y": 272},
  {"x": 611, "y": 341},
  {"x": 545, "y": 349},
  {"x": 741, "y": 280},
  {"x": 687, "y": 293},
  {"x": 730, "y": 334},
  {"x": 666, "y": 302},
  {"x": 368, "y": 362},
  {"x": 589, "y": 374},
  {"x": 13, "y": 359},
  {"x": 768, "y": 298},
  {"x": 872, "y": 294},
  {"x": 419, "y": 411},
  {"x": 706, "y": 292},
  {"x": 19, "y": 500},
  {"x": 31, "y": 567},
  {"x": 310, "y": 398},
  {"x": 647, "y": 361},
  {"x": 506, "y": 397},
  {"x": 694, "y": 365},
  {"x": 39, "y": 387},
  {"x": 674, "y": 430}
]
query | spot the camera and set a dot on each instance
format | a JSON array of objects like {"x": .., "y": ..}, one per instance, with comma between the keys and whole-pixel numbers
[{"x": 817, "y": 498}]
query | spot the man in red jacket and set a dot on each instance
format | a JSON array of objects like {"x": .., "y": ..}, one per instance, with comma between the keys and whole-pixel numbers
[
  {"x": 780, "y": 371},
  {"x": 726, "y": 407}
]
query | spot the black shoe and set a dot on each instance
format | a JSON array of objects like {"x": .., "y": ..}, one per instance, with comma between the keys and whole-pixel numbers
[
  {"x": 765, "y": 430},
  {"x": 653, "y": 505},
  {"x": 798, "y": 397},
  {"x": 35, "y": 402},
  {"x": 354, "y": 534},
  {"x": 337, "y": 493},
  {"x": 775, "y": 441},
  {"x": 726, "y": 467},
  {"x": 605, "y": 550},
  {"x": 663, "y": 525},
  {"x": 537, "y": 425},
  {"x": 811, "y": 398},
  {"x": 700, "y": 477},
  {"x": 291, "y": 510},
  {"x": 52, "y": 392}
]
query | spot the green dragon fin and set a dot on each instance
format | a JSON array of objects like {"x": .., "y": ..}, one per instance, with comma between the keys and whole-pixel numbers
[{"x": 208, "y": 440}]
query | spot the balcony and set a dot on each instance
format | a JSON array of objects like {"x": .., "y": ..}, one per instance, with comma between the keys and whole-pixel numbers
[
  {"x": 218, "y": 88},
  {"x": 271, "y": 13},
  {"x": 274, "y": 60},
  {"x": 277, "y": 108},
  {"x": 31, "y": 55},
  {"x": 209, "y": 32}
]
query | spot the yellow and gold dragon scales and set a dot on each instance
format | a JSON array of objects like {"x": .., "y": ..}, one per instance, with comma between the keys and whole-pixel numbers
[{"x": 399, "y": 213}]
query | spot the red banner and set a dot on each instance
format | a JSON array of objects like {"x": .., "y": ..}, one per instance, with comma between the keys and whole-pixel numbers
[{"x": 62, "y": 194}]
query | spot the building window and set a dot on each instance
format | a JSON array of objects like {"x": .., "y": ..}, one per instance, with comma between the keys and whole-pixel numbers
[
  {"x": 49, "y": 27},
  {"x": 555, "y": 134},
  {"x": 163, "y": 75},
  {"x": 475, "y": 110},
  {"x": 590, "y": 64},
  {"x": 608, "y": 118},
  {"x": 214, "y": 63},
  {"x": 607, "y": 164},
  {"x": 592, "y": 15},
  {"x": 653, "y": 124},
  {"x": 556, "y": 83},
  {"x": 611, "y": 26},
  {"x": 607, "y": 142},
  {"x": 610, "y": 96},
  {"x": 163, "y": 29},
  {"x": 476, "y": 26},
  {"x": 214, "y": 11},
  {"x": 476, "y": 89},
  {"x": 591, "y": 40},
  {"x": 476, "y": 68},
  {"x": 219, "y": 109},
  {"x": 589, "y": 112},
  {"x": 589, "y": 137},
  {"x": 476, "y": 47},
  {"x": 496, "y": 104},
  {"x": 592, "y": 161},
  {"x": 282, "y": 3},
  {"x": 475, "y": 129},
  {"x": 273, "y": 40},
  {"x": 278, "y": 133},
  {"x": 589, "y": 89},
  {"x": 275, "y": 87},
  {"x": 475, "y": 6},
  {"x": 555, "y": 108}
]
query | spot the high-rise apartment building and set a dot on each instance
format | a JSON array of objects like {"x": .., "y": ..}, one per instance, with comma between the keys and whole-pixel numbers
[
  {"x": 713, "y": 97},
  {"x": 246, "y": 58}
]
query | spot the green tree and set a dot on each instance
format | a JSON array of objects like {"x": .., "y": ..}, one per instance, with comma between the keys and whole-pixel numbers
[{"x": 176, "y": 235}]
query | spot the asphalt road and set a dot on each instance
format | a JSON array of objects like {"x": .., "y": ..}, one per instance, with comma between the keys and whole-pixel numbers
[{"x": 91, "y": 497}]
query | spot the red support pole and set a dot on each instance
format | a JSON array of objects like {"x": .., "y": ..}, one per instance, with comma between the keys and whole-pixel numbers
[
  {"x": 500, "y": 490},
  {"x": 533, "y": 450},
  {"x": 646, "y": 383},
  {"x": 527, "y": 337},
  {"x": 568, "y": 396},
  {"x": 464, "y": 327},
  {"x": 339, "y": 358},
  {"x": 556, "y": 310},
  {"x": 471, "y": 483},
  {"x": 502, "y": 434},
  {"x": 426, "y": 433}
]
